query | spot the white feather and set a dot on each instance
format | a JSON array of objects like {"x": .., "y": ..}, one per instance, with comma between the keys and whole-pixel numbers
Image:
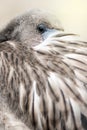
[
  {"x": 10, "y": 73},
  {"x": 77, "y": 56},
  {"x": 12, "y": 44},
  {"x": 22, "y": 94}
]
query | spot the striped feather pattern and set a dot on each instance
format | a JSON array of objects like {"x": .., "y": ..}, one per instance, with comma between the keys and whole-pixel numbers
[{"x": 46, "y": 85}]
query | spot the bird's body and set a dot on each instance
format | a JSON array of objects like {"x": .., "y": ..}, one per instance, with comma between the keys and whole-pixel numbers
[{"x": 45, "y": 85}]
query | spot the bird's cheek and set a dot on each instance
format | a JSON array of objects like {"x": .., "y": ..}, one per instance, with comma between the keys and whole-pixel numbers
[{"x": 36, "y": 41}]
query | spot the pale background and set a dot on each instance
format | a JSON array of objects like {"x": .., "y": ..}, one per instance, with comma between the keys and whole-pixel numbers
[{"x": 71, "y": 13}]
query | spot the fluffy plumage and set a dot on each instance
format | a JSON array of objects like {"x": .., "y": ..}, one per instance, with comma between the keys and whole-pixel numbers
[{"x": 45, "y": 85}]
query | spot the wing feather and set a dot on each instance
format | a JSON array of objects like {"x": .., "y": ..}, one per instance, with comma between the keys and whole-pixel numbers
[{"x": 46, "y": 85}]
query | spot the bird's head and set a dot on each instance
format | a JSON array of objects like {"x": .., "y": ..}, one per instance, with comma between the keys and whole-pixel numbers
[{"x": 31, "y": 28}]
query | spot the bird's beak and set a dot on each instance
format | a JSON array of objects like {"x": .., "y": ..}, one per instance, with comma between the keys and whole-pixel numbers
[{"x": 50, "y": 32}]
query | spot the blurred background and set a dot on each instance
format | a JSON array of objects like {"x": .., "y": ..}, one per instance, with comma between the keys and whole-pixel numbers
[{"x": 71, "y": 13}]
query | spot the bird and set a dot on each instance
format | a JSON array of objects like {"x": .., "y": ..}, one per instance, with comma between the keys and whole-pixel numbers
[{"x": 43, "y": 73}]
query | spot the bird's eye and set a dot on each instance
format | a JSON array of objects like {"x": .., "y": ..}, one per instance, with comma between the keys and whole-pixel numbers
[{"x": 41, "y": 28}]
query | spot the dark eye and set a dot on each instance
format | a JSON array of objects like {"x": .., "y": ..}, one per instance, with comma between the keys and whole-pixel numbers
[{"x": 41, "y": 28}]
